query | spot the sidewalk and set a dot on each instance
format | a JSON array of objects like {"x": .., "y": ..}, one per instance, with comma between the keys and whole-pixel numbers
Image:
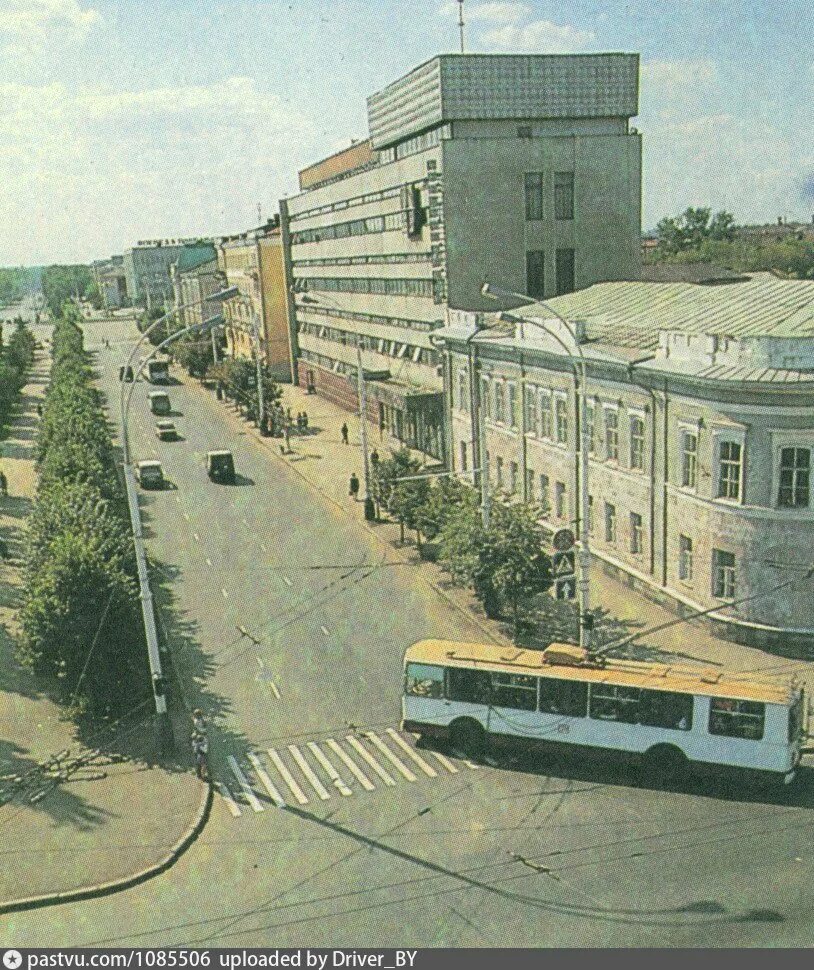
[
  {"x": 112, "y": 818},
  {"x": 322, "y": 459}
]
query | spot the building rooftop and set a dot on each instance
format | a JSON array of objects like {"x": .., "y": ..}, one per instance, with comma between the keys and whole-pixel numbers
[{"x": 191, "y": 257}]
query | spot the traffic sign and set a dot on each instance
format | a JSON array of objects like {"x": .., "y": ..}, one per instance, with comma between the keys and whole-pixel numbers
[
  {"x": 563, "y": 563},
  {"x": 566, "y": 588},
  {"x": 563, "y": 540}
]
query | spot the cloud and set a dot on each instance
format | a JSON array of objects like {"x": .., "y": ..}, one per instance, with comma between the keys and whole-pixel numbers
[
  {"x": 536, "y": 37},
  {"x": 500, "y": 12},
  {"x": 32, "y": 19}
]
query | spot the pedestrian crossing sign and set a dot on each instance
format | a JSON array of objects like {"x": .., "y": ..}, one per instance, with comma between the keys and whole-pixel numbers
[{"x": 563, "y": 563}]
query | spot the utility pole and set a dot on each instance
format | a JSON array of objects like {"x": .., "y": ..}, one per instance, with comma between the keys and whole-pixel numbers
[
  {"x": 258, "y": 359},
  {"x": 368, "y": 502},
  {"x": 461, "y": 22}
]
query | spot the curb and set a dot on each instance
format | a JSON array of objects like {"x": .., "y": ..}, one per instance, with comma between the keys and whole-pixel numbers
[{"x": 126, "y": 882}]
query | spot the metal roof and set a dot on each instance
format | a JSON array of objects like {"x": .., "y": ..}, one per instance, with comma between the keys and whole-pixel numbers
[{"x": 632, "y": 314}]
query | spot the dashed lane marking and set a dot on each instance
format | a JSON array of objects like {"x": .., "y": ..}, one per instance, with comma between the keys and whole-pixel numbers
[
  {"x": 197, "y": 537},
  {"x": 268, "y": 784},
  {"x": 287, "y": 777},
  {"x": 396, "y": 762},
  {"x": 422, "y": 764},
  {"x": 445, "y": 762},
  {"x": 274, "y": 689},
  {"x": 208, "y": 561},
  {"x": 226, "y": 795},
  {"x": 354, "y": 769},
  {"x": 287, "y": 581},
  {"x": 308, "y": 771},
  {"x": 186, "y": 516},
  {"x": 263, "y": 547},
  {"x": 225, "y": 594},
  {"x": 245, "y": 787},
  {"x": 325, "y": 631},
  {"x": 330, "y": 771},
  {"x": 366, "y": 755}
]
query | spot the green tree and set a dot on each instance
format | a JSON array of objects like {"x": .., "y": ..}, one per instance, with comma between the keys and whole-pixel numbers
[
  {"x": 62, "y": 283},
  {"x": 690, "y": 229},
  {"x": 402, "y": 499}
]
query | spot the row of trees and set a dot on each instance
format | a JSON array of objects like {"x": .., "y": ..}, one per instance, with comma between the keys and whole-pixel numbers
[
  {"x": 16, "y": 359},
  {"x": 80, "y": 616},
  {"x": 15, "y": 282},
  {"x": 61, "y": 284},
  {"x": 505, "y": 564}
]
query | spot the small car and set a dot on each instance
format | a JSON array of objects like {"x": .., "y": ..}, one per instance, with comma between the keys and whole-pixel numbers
[
  {"x": 150, "y": 474},
  {"x": 220, "y": 467},
  {"x": 166, "y": 431},
  {"x": 159, "y": 402},
  {"x": 126, "y": 374}
]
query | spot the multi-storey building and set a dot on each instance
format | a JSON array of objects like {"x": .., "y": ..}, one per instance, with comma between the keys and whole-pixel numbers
[
  {"x": 111, "y": 280},
  {"x": 253, "y": 262},
  {"x": 701, "y": 427},
  {"x": 147, "y": 268},
  {"x": 195, "y": 276},
  {"x": 522, "y": 170}
]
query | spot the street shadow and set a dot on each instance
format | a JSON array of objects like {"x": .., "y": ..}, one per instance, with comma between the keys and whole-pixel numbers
[{"x": 241, "y": 481}]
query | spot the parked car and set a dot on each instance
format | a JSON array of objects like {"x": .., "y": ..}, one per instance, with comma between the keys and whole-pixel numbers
[
  {"x": 126, "y": 374},
  {"x": 166, "y": 431},
  {"x": 159, "y": 402},
  {"x": 220, "y": 466},
  {"x": 150, "y": 474}
]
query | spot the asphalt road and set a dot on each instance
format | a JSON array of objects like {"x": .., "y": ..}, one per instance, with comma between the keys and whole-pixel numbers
[{"x": 512, "y": 855}]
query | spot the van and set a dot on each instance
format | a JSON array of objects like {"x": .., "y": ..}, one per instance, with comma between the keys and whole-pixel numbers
[
  {"x": 220, "y": 467},
  {"x": 159, "y": 402},
  {"x": 150, "y": 474}
]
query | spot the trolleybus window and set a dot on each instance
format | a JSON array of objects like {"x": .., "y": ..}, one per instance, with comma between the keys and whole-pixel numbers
[
  {"x": 424, "y": 680},
  {"x": 567, "y": 697},
  {"x": 470, "y": 686},
  {"x": 666, "y": 709},
  {"x": 612, "y": 703},
  {"x": 514, "y": 690},
  {"x": 736, "y": 719},
  {"x": 796, "y": 719}
]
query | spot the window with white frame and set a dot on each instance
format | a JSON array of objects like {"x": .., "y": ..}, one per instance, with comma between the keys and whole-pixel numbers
[
  {"x": 561, "y": 419},
  {"x": 514, "y": 473},
  {"x": 485, "y": 397},
  {"x": 530, "y": 404},
  {"x": 590, "y": 412},
  {"x": 794, "y": 478},
  {"x": 685, "y": 559},
  {"x": 730, "y": 463},
  {"x": 723, "y": 574},
  {"x": 689, "y": 458},
  {"x": 463, "y": 456},
  {"x": 529, "y": 485},
  {"x": 637, "y": 442},
  {"x": 545, "y": 414},
  {"x": 543, "y": 495},
  {"x": 500, "y": 401},
  {"x": 463, "y": 391},
  {"x": 499, "y": 471},
  {"x": 511, "y": 398},
  {"x": 611, "y": 434},
  {"x": 610, "y": 522},
  {"x": 559, "y": 500},
  {"x": 591, "y": 514},
  {"x": 636, "y": 534}
]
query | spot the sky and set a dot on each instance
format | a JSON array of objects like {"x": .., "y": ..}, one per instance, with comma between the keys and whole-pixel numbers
[{"x": 124, "y": 120}]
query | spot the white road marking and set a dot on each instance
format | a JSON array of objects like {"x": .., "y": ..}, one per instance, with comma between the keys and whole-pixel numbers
[
  {"x": 368, "y": 757},
  {"x": 397, "y": 764},
  {"x": 422, "y": 764},
  {"x": 263, "y": 547},
  {"x": 186, "y": 516},
  {"x": 354, "y": 769},
  {"x": 470, "y": 764},
  {"x": 287, "y": 581},
  {"x": 268, "y": 784},
  {"x": 208, "y": 561},
  {"x": 225, "y": 594},
  {"x": 197, "y": 537},
  {"x": 325, "y": 631},
  {"x": 445, "y": 762},
  {"x": 308, "y": 771},
  {"x": 274, "y": 689},
  {"x": 245, "y": 522},
  {"x": 251, "y": 798},
  {"x": 330, "y": 771},
  {"x": 288, "y": 778},
  {"x": 178, "y": 499},
  {"x": 226, "y": 795}
]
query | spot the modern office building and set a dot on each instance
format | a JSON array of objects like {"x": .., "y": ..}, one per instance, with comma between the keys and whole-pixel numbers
[
  {"x": 521, "y": 170},
  {"x": 253, "y": 262},
  {"x": 701, "y": 427}
]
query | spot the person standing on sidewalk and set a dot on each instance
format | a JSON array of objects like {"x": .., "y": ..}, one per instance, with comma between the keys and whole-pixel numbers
[
  {"x": 3, "y": 483},
  {"x": 353, "y": 487},
  {"x": 344, "y": 432}
]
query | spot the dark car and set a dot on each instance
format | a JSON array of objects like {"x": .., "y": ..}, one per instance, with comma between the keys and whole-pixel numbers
[
  {"x": 126, "y": 374},
  {"x": 220, "y": 466}
]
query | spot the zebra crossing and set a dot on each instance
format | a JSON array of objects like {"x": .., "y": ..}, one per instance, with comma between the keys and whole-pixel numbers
[{"x": 315, "y": 771}]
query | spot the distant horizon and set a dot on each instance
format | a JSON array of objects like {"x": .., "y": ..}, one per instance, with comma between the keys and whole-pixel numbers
[{"x": 115, "y": 127}]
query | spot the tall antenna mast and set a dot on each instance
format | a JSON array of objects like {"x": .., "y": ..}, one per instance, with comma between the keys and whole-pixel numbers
[{"x": 461, "y": 22}]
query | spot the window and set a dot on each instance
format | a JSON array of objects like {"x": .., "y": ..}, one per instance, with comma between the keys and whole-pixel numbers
[
  {"x": 469, "y": 686},
  {"x": 612, "y": 434},
  {"x": 534, "y": 196},
  {"x": 500, "y": 401},
  {"x": 524, "y": 131},
  {"x": 729, "y": 469},
  {"x": 518, "y": 691},
  {"x": 566, "y": 697},
  {"x": 485, "y": 397},
  {"x": 612, "y": 703},
  {"x": 463, "y": 391},
  {"x": 530, "y": 394},
  {"x": 561, "y": 413},
  {"x": 545, "y": 503},
  {"x": 559, "y": 499},
  {"x": 610, "y": 522},
  {"x": 590, "y": 411},
  {"x": 499, "y": 471},
  {"x": 563, "y": 195},
  {"x": 591, "y": 514},
  {"x": 565, "y": 271},
  {"x": 511, "y": 391},
  {"x": 424, "y": 680},
  {"x": 636, "y": 537},
  {"x": 636, "y": 443},
  {"x": 666, "y": 709},
  {"x": 535, "y": 273},
  {"x": 513, "y": 477},
  {"x": 723, "y": 574},
  {"x": 795, "y": 467},
  {"x": 689, "y": 459},
  {"x": 685, "y": 562},
  {"x": 463, "y": 456},
  {"x": 796, "y": 719},
  {"x": 545, "y": 414},
  {"x": 529, "y": 484},
  {"x": 736, "y": 719}
]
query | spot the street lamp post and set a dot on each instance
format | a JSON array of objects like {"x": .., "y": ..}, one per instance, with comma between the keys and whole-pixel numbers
[{"x": 578, "y": 360}]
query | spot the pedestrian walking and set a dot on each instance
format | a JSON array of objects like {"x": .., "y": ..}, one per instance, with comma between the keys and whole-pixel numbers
[
  {"x": 344, "y": 432},
  {"x": 374, "y": 459},
  {"x": 288, "y": 415},
  {"x": 198, "y": 721},
  {"x": 200, "y": 751},
  {"x": 3, "y": 483},
  {"x": 300, "y": 422},
  {"x": 353, "y": 487},
  {"x": 305, "y": 420},
  {"x": 39, "y": 409}
]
